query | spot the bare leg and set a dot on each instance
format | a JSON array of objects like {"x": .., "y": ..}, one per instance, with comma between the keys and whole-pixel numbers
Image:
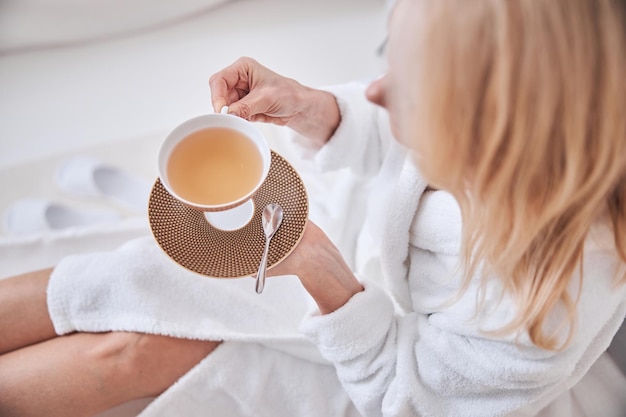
[
  {"x": 24, "y": 317},
  {"x": 83, "y": 373}
]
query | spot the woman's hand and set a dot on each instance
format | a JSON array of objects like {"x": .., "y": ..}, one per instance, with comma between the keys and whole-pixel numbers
[
  {"x": 321, "y": 269},
  {"x": 258, "y": 94}
]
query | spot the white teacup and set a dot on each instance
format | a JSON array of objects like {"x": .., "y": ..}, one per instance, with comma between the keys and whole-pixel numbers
[{"x": 238, "y": 207}]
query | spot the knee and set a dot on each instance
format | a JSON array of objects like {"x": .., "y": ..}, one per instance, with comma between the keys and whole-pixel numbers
[
  {"x": 148, "y": 363},
  {"x": 112, "y": 346},
  {"x": 121, "y": 360},
  {"x": 113, "y": 353}
]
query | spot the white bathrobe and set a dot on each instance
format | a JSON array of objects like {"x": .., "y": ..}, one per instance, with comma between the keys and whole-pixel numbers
[{"x": 395, "y": 349}]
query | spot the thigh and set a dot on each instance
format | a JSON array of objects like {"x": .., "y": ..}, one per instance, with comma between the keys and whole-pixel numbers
[
  {"x": 24, "y": 317},
  {"x": 85, "y": 373}
]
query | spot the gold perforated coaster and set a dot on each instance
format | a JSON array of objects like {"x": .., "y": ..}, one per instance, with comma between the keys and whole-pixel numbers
[{"x": 186, "y": 236}]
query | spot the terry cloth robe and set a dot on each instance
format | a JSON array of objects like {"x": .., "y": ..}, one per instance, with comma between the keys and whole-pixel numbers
[{"x": 395, "y": 349}]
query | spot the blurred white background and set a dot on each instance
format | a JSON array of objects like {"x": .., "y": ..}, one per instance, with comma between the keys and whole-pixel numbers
[{"x": 111, "y": 78}]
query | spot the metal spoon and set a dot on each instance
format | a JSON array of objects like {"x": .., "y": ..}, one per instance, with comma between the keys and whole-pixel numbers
[{"x": 272, "y": 218}]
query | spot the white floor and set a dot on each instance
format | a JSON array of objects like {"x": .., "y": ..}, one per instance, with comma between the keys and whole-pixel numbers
[{"x": 116, "y": 99}]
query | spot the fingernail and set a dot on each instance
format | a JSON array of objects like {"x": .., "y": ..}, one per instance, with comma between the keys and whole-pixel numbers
[
  {"x": 224, "y": 110},
  {"x": 218, "y": 105}
]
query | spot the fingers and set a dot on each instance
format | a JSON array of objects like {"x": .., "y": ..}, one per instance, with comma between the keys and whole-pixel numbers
[
  {"x": 253, "y": 92},
  {"x": 252, "y": 106},
  {"x": 305, "y": 255},
  {"x": 232, "y": 83}
]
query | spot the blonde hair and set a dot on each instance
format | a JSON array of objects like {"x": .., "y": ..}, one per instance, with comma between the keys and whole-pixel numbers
[{"x": 521, "y": 110}]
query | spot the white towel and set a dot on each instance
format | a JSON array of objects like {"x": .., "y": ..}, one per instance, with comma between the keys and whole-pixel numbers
[{"x": 139, "y": 288}]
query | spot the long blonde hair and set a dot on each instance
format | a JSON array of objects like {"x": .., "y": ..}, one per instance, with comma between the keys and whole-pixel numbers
[{"x": 522, "y": 116}]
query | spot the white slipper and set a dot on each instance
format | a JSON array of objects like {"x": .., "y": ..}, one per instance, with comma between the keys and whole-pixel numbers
[
  {"x": 86, "y": 176},
  {"x": 37, "y": 215}
]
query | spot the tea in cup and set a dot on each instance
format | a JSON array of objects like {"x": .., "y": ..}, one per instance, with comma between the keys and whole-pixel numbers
[{"x": 215, "y": 163}]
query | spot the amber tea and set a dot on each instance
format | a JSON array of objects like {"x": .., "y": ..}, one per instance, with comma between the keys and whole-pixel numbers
[{"x": 214, "y": 166}]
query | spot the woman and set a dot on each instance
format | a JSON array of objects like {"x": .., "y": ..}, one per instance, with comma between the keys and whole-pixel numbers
[{"x": 509, "y": 117}]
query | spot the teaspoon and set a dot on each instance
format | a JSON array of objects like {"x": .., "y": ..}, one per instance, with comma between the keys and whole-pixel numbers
[{"x": 272, "y": 218}]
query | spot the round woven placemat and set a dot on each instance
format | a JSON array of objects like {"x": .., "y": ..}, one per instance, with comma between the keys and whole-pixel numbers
[{"x": 186, "y": 236}]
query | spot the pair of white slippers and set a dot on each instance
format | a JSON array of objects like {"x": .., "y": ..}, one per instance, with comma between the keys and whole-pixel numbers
[{"x": 81, "y": 176}]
